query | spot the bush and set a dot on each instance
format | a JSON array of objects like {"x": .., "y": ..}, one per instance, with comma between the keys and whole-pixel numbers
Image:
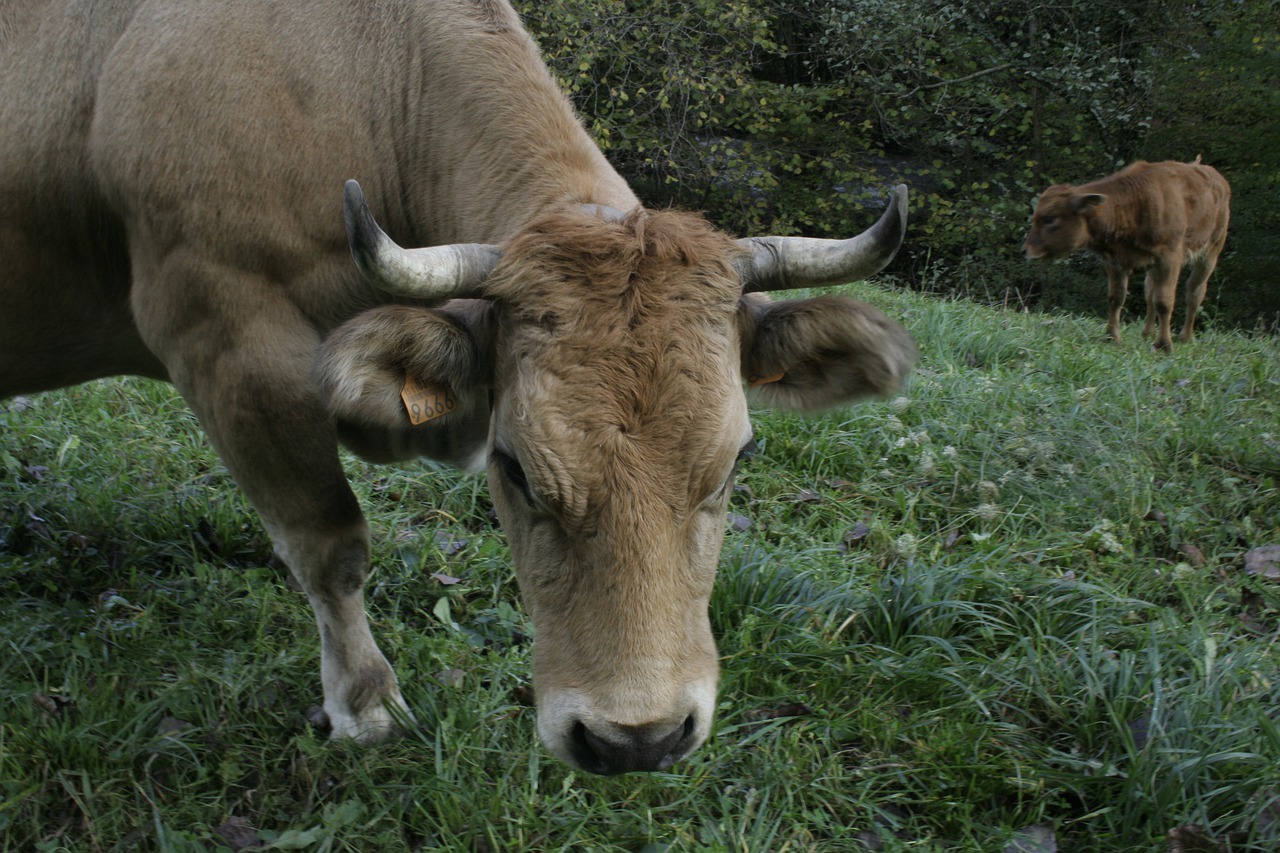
[{"x": 795, "y": 117}]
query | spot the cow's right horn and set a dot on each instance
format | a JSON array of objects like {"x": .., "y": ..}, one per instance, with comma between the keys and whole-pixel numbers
[
  {"x": 784, "y": 263},
  {"x": 435, "y": 273}
]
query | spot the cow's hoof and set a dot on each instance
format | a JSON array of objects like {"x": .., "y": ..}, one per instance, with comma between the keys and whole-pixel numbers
[{"x": 369, "y": 726}]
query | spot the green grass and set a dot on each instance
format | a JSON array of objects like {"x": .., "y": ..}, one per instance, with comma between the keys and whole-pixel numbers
[{"x": 1010, "y": 601}]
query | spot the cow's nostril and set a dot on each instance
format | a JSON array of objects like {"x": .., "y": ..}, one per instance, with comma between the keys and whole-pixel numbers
[
  {"x": 584, "y": 753},
  {"x": 628, "y": 749}
]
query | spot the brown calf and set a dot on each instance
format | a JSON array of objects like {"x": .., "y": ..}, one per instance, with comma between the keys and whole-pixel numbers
[{"x": 1148, "y": 216}]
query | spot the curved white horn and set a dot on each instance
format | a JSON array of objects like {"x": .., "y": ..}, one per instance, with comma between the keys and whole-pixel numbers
[
  {"x": 435, "y": 273},
  {"x": 785, "y": 263}
]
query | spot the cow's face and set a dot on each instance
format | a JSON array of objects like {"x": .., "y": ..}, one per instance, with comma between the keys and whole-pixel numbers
[
  {"x": 618, "y": 422},
  {"x": 602, "y": 376},
  {"x": 1060, "y": 225}
]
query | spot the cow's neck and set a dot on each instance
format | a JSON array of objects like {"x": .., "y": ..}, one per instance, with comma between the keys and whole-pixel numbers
[{"x": 494, "y": 148}]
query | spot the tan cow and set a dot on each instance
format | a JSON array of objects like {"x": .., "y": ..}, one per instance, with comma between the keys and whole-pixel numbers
[
  {"x": 1147, "y": 216},
  {"x": 170, "y": 185}
]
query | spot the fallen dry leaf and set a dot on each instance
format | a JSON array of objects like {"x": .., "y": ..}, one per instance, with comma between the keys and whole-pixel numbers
[
  {"x": 1033, "y": 839},
  {"x": 448, "y": 543},
  {"x": 1193, "y": 555},
  {"x": 237, "y": 833},
  {"x": 54, "y": 706},
  {"x": 170, "y": 726},
  {"x": 1263, "y": 561},
  {"x": 1191, "y": 838},
  {"x": 789, "y": 709},
  {"x": 855, "y": 536},
  {"x": 451, "y": 677}
]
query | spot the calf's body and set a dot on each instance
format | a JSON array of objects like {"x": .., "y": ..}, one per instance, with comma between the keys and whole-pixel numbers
[{"x": 1152, "y": 217}]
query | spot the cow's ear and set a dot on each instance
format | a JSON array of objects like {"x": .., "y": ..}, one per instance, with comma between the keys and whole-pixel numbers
[
  {"x": 1086, "y": 201},
  {"x": 374, "y": 369},
  {"x": 808, "y": 354}
]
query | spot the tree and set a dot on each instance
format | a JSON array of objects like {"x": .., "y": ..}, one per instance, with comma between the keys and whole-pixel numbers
[{"x": 793, "y": 116}]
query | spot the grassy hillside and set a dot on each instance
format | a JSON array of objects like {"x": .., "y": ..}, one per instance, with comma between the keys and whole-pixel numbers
[{"x": 1008, "y": 610}]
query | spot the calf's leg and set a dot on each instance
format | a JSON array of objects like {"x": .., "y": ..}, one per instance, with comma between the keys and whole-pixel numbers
[
  {"x": 1162, "y": 289},
  {"x": 1117, "y": 291},
  {"x": 1201, "y": 267}
]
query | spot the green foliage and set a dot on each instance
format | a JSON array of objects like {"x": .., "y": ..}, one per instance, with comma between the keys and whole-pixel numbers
[
  {"x": 1220, "y": 96},
  {"x": 795, "y": 117},
  {"x": 670, "y": 92},
  {"x": 989, "y": 101}
]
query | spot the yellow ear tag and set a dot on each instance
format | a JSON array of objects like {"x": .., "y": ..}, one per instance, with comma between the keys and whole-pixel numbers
[
  {"x": 424, "y": 402},
  {"x": 753, "y": 381}
]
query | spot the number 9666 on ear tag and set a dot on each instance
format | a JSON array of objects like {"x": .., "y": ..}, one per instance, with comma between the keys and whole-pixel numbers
[{"x": 426, "y": 402}]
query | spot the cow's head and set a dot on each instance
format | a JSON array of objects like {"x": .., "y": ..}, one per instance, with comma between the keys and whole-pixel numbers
[
  {"x": 598, "y": 361},
  {"x": 1059, "y": 225}
]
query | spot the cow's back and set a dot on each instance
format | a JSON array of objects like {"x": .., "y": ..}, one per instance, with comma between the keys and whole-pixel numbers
[
  {"x": 1170, "y": 204},
  {"x": 51, "y": 57},
  {"x": 64, "y": 313},
  {"x": 136, "y": 134}
]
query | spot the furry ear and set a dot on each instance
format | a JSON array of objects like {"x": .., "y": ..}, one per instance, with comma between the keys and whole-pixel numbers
[
  {"x": 809, "y": 354},
  {"x": 405, "y": 381},
  {"x": 1081, "y": 202}
]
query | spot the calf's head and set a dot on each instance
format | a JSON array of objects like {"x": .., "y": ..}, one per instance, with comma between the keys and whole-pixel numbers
[
  {"x": 600, "y": 360},
  {"x": 1060, "y": 223}
]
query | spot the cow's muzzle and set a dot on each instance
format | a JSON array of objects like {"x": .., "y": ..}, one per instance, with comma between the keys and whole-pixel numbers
[{"x": 628, "y": 749}]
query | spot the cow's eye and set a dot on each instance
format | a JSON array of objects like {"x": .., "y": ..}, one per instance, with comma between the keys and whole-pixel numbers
[
  {"x": 748, "y": 450},
  {"x": 1048, "y": 221},
  {"x": 511, "y": 470}
]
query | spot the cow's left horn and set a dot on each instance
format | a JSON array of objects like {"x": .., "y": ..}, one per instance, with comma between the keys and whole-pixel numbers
[
  {"x": 435, "y": 273},
  {"x": 784, "y": 263}
]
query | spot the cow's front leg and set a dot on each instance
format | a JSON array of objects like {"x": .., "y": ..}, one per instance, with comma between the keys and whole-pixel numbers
[
  {"x": 331, "y": 565},
  {"x": 245, "y": 372},
  {"x": 282, "y": 450},
  {"x": 1117, "y": 292}
]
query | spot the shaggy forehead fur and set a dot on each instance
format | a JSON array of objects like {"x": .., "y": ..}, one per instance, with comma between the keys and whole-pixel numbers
[{"x": 622, "y": 339}]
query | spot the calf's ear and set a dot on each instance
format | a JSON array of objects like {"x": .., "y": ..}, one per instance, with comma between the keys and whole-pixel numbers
[
  {"x": 810, "y": 354},
  {"x": 371, "y": 369},
  {"x": 1081, "y": 202}
]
